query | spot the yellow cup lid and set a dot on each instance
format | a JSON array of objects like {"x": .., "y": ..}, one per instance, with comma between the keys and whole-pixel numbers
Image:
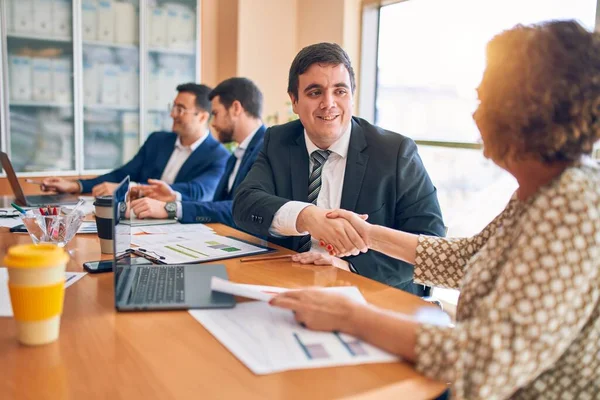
[{"x": 35, "y": 256}]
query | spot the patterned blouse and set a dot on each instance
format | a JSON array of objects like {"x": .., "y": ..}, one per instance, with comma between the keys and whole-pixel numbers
[{"x": 528, "y": 318}]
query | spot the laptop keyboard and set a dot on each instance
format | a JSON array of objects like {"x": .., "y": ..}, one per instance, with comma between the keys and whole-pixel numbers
[{"x": 158, "y": 284}]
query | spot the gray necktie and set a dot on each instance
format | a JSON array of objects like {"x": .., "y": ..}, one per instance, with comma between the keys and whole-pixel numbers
[{"x": 314, "y": 187}]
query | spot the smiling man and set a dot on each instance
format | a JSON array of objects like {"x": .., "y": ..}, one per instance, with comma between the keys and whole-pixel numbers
[
  {"x": 189, "y": 159},
  {"x": 329, "y": 159}
]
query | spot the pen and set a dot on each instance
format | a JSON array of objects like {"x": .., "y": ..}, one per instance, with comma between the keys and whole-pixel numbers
[
  {"x": 16, "y": 207},
  {"x": 34, "y": 182},
  {"x": 266, "y": 258}
]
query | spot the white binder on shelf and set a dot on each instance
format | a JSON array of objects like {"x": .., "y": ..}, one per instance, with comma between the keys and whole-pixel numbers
[
  {"x": 105, "y": 22},
  {"x": 22, "y": 11},
  {"x": 42, "y": 16},
  {"x": 157, "y": 32},
  {"x": 89, "y": 9},
  {"x": 19, "y": 68},
  {"x": 61, "y": 80},
  {"x": 41, "y": 79},
  {"x": 126, "y": 23},
  {"x": 61, "y": 18},
  {"x": 90, "y": 84}
]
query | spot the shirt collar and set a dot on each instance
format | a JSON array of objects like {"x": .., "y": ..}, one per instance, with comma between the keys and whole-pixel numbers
[
  {"x": 241, "y": 149},
  {"x": 339, "y": 147},
  {"x": 194, "y": 145}
]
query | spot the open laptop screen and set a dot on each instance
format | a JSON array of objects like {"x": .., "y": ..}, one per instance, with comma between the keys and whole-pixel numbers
[{"x": 121, "y": 240}]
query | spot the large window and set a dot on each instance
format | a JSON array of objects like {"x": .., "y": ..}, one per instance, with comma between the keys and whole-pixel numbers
[{"x": 430, "y": 59}]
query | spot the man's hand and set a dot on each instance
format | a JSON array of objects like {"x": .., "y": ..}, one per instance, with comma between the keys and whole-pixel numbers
[
  {"x": 104, "y": 189},
  {"x": 159, "y": 190},
  {"x": 60, "y": 185},
  {"x": 312, "y": 257},
  {"x": 149, "y": 208},
  {"x": 337, "y": 232}
]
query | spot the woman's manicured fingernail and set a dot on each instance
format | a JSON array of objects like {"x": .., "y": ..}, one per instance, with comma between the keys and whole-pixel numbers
[
  {"x": 322, "y": 243},
  {"x": 329, "y": 247}
]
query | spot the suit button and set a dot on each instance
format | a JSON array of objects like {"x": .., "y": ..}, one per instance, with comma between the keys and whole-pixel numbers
[{"x": 198, "y": 219}]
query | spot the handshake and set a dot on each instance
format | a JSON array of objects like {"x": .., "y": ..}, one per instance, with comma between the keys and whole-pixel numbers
[{"x": 343, "y": 233}]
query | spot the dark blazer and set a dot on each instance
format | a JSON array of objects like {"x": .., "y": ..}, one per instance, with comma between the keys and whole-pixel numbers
[
  {"x": 197, "y": 178},
  {"x": 219, "y": 210},
  {"x": 384, "y": 178}
]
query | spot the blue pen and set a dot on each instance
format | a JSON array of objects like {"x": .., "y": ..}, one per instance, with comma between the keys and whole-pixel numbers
[{"x": 19, "y": 209}]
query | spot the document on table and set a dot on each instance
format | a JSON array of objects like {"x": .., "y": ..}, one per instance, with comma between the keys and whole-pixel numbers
[
  {"x": 6, "y": 307},
  {"x": 268, "y": 339},
  {"x": 193, "y": 247},
  {"x": 174, "y": 228}
]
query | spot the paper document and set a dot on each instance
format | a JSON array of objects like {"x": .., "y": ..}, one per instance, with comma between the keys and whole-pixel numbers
[
  {"x": 266, "y": 293},
  {"x": 6, "y": 307},
  {"x": 177, "y": 228},
  {"x": 193, "y": 247},
  {"x": 268, "y": 339},
  {"x": 149, "y": 222},
  {"x": 256, "y": 292}
]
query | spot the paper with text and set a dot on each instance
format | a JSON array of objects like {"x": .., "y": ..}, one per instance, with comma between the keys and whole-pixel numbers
[{"x": 268, "y": 339}]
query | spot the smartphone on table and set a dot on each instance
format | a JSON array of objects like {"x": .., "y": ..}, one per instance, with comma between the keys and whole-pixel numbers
[{"x": 94, "y": 267}]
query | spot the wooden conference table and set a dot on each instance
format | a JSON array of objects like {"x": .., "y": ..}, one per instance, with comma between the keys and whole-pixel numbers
[{"x": 166, "y": 355}]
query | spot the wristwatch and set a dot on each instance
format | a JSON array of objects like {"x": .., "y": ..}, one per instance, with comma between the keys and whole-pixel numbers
[{"x": 171, "y": 208}]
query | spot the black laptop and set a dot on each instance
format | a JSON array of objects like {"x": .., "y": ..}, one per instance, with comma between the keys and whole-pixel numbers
[
  {"x": 32, "y": 201},
  {"x": 158, "y": 286}
]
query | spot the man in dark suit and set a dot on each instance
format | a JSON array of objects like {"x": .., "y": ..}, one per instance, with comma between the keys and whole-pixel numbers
[
  {"x": 189, "y": 159},
  {"x": 236, "y": 110},
  {"x": 327, "y": 160}
]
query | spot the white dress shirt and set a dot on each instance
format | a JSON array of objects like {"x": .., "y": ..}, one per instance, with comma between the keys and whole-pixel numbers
[
  {"x": 239, "y": 154},
  {"x": 179, "y": 156},
  {"x": 330, "y": 196}
]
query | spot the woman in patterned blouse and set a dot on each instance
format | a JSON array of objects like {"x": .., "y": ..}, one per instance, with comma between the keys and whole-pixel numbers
[{"x": 528, "y": 318}]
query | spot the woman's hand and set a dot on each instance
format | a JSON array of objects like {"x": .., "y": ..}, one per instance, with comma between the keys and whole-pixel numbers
[
  {"x": 358, "y": 222},
  {"x": 319, "y": 310}
]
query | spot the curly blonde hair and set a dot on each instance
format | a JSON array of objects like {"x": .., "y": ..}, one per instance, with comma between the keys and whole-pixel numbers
[{"x": 540, "y": 93}]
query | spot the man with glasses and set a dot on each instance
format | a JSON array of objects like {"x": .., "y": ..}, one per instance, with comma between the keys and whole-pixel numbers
[
  {"x": 236, "y": 117},
  {"x": 188, "y": 159}
]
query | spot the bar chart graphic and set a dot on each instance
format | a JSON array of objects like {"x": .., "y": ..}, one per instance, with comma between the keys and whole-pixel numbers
[{"x": 313, "y": 351}]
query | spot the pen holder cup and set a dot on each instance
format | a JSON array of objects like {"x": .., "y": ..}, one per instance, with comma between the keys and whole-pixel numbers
[{"x": 57, "y": 229}]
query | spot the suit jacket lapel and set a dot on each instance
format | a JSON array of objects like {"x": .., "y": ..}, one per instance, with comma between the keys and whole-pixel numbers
[
  {"x": 356, "y": 165},
  {"x": 194, "y": 161},
  {"x": 258, "y": 136},
  {"x": 299, "y": 167},
  {"x": 222, "y": 192}
]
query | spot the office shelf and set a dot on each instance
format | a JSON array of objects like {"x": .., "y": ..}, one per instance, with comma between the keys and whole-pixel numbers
[
  {"x": 122, "y": 65},
  {"x": 165, "y": 50},
  {"x": 110, "y": 44},
  {"x": 115, "y": 107},
  {"x": 37, "y": 36},
  {"x": 33, "y": 103}
]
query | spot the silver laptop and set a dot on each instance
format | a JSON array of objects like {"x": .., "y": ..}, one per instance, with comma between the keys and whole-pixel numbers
[
  {"x": 29, "y": 200},
  {"x": 158, "y": 286}
]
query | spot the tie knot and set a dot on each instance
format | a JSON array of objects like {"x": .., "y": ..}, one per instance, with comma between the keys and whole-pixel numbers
[{"x": 320, "y": 156}]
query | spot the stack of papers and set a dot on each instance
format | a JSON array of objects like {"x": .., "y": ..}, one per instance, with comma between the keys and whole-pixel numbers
[
  {"x": 268, "y": 339},
  {"x": 191, "y": 247}
]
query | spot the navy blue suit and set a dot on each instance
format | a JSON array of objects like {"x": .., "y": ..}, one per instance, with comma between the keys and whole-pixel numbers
[
  {"x": 219, "y": 210},
  {"x": 197, "y": 178},
  {"x": 384, "y": 178}
]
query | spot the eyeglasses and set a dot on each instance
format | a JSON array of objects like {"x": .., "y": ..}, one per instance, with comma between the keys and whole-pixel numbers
[
  {"x": 177, "y": 110},
  {"x": 9, "y": 214}
]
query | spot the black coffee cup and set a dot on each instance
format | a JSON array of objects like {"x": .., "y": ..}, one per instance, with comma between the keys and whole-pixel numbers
[{"x": 104, "y": 218}]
